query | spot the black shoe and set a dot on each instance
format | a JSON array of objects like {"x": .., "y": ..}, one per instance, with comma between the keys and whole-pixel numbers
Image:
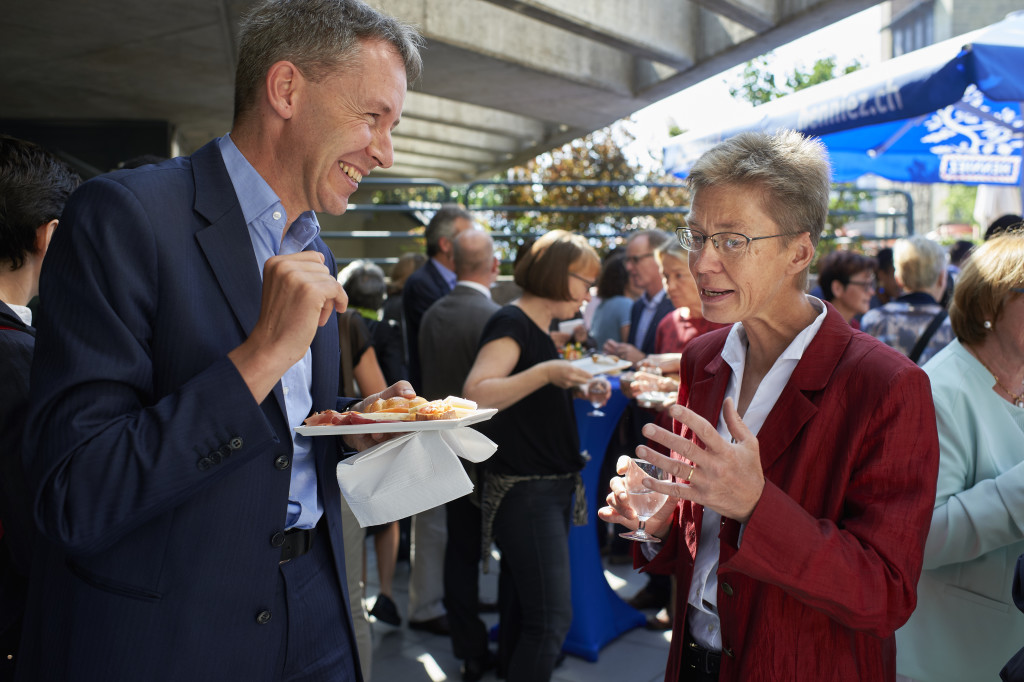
[
  {"x": 385, "y": 611},
  {"x": 659, "y": 622},
  {"x": 435, "y": 626},
  {"x": 475, "y": 667},
  {"x": 644, "y": 599}
]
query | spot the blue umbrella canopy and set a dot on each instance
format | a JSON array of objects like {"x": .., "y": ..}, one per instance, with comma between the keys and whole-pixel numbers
[{"x": 947, "y": 113}]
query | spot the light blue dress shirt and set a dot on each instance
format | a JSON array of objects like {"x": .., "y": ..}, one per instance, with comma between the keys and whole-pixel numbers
[{"x": 266, "y": 219}]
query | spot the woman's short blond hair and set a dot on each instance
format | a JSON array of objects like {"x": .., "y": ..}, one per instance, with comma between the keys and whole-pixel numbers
[
  {"x": 544, "y": 269},
  {"x": 985, "y": 282}
]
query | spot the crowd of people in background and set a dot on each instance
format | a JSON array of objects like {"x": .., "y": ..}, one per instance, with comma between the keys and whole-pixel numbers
[{"x": 846, "y": 498}]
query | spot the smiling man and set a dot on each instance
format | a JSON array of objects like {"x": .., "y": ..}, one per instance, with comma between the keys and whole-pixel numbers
[{"x": 187, "y": 327}]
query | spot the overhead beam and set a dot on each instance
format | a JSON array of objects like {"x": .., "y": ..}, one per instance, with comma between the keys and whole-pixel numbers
[
  {"x": 757, "y": 16},
  {"x": 623, "y": 25}
]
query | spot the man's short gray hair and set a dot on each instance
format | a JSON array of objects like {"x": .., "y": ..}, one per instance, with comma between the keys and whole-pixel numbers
[
  {"x": 318, "y": 36},
  {"x": 443, "y": 225}
]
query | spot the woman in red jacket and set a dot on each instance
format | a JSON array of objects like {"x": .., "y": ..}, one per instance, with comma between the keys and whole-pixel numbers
[{"x": 804, "y": 461}]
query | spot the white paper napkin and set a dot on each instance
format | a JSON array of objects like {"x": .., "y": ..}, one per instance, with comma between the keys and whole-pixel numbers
[{"x": 409, "y": 474}]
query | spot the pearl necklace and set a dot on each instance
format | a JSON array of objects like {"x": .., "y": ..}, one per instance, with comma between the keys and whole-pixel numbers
[{"x": 1016, "y": 398}]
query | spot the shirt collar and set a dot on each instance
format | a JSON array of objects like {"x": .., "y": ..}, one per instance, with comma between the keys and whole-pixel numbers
[
  {"x": 474, "y": 285},
  {"x": 449, "y": 276},
  {"x": 735, "y": 350},
  {"x": 261, "y": 205},
  {"x": 24, "y": 312},
  {"x": 652, "y": 302}
]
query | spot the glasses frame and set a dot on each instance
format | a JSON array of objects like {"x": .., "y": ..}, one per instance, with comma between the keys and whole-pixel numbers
[
  {"x": 869, "y": 286},
  {"x": 711, "y": 237},
  {"x": 1017, "y": 290},
  {"x": 590, "y": 284},
  {"x": 633, "y": 260}
]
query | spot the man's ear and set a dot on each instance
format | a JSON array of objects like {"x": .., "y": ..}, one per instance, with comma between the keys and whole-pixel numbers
[
  {"x": 283, "y": 81},
  {"x": 44, "y": 233}
]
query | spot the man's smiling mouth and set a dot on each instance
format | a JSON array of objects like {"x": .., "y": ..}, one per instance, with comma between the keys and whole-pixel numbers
[{"x": 350, "y": 171}]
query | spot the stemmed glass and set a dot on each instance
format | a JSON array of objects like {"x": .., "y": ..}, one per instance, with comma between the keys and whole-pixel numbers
[
  {"x": 597, "y": 389},
  {"x": 644, "y": 501}
]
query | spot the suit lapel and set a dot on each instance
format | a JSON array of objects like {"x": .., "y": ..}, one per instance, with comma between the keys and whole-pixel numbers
[{"x": 226, "y": 242}]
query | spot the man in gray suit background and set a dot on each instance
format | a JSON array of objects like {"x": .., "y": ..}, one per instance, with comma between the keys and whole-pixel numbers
[{"x": 448, "y": 339}]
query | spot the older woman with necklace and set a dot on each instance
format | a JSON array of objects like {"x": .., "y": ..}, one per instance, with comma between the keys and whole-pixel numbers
[{"x": 965, "y": 626}]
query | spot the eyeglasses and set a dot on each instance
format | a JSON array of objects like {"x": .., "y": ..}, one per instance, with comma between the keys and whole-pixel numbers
[
  {"x": 633, "y": 260},
  {"x": 1018, "y": 290},
  {"x": 590, "y": 283},
  {"x": 729, "y": 244},
  {"x": 870, "y": 286}
]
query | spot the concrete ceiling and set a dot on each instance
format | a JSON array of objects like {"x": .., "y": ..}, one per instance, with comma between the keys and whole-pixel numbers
[{"x": 504, "y": 80}]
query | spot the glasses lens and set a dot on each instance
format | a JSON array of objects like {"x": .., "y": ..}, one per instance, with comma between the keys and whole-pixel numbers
[
  {"x": 690, "y": 240},
  {"x": 731, "y": 243}
]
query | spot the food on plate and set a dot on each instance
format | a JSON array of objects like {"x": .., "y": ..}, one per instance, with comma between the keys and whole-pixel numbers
[
  {"x": 601, "y": 359},
  {"x": 327, "y": 418},
  {"x": 396, "y": 410},
  {"x": 573, "y": 351}
]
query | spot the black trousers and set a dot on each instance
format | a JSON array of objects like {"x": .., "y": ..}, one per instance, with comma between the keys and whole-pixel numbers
[
  {"x": 462, "y": 579},
  {"x": 531, "y": 529}
]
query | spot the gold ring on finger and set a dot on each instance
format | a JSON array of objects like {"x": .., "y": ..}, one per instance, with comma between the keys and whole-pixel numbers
[{"x": 690, "y": 475}]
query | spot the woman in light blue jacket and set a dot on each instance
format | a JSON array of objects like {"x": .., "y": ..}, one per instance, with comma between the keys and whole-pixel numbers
[{"x": 966, "y": 626}]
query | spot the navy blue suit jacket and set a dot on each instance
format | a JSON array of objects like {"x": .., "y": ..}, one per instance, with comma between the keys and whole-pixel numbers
[
  {"x": 159, "y": 481},
  {"x": 424, "y": 287},
  {"x": 646, "y": 344}
]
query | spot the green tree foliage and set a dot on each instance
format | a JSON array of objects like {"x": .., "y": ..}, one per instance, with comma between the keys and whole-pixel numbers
[
  {"x": 563, "y": 179},
  {"x": 757, "y": 82},
  {"x": 959, "y": 203}
]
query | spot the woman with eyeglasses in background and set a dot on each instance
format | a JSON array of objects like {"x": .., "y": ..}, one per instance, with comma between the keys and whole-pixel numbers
[
  {"x": 805, "y": 456},
  {"x": 528, "y": 484},
  {"x": 847, "y": 281}
]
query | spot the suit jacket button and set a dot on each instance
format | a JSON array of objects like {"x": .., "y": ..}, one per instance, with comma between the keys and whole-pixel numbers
[
  {"x": 727, "y": 588},
  {"x": 225, "y": 451},
  {"x": 277, "y": 539},
  {"x": 728, "y": 652},
  {"x": 215, "y": 456},
  {"x": 282, "y": 462},
  {"x": 204, "y": 463},
  {"x": 263, "y": 617},
  {"x": 235, "y": 443}
]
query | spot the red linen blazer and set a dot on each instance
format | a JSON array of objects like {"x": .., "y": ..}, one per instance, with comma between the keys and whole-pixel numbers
[{"x": 828, "y": 564}]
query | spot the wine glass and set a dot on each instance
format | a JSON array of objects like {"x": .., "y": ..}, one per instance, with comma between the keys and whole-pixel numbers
[
  {"x": 598, "y": 389},
  {"x": 644, "y": 501}
]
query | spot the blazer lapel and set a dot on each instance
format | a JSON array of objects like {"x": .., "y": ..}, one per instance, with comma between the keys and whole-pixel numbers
[
  {"x": 796, "y": 405},
  {"x": 226, "y": 242}
]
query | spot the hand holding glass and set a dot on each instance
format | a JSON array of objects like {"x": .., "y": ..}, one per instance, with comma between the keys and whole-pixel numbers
[
  {"x": 644, "y": 501},
  {"x": 598, "y": 391}
]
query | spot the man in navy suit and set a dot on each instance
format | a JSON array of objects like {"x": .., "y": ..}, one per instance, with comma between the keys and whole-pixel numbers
[
  {"x": 431, "y": 282},
  {"x": 427, "y": 285},
  {"x": 187, "y": 326},
  {"x": 653, "y": 304}
]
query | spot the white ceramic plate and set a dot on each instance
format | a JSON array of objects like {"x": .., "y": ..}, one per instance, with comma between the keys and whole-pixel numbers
[
  {"x": 603, "y": 367},
  {"x": 473, "y": 417},
  {"x": 656, "y": 398}
]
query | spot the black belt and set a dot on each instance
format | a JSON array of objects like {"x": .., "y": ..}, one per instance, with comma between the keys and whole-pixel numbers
[
  {"x": 297, "y": 542},
  {"x": 697, "y": 658}
]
